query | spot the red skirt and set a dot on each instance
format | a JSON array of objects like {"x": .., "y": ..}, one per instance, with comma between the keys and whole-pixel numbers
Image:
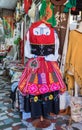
[{"x": 40, "y": 77}]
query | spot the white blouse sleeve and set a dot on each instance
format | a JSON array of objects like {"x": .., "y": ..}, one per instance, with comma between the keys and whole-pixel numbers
[{"x": 27, "y": 48}]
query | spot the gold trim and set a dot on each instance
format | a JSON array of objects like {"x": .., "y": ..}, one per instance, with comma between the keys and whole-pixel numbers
[{"x": 35, "y": 99}]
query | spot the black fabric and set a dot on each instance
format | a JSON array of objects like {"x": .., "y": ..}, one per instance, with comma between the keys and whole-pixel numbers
[
  {"x": 42, "y": 50},
  {"x": 79, "y": 5},
  {"x": 74, "y": 12},
  {"x": 56, "y": 105},
  {"x": 27, "y": 104},
  {"x": 42, "y": 104},
  {"x": 13, "y": 97},
  {"x": 36, "y": 107},
  {"x": 47, "y": 105}
]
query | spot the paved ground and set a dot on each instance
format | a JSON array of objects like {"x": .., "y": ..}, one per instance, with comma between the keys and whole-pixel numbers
[{"x": 11, "y": 120}]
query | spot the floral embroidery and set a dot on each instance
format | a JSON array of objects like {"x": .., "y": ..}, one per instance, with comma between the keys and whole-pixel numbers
[
  {"x": 54, "y": 86},
  {"x": 44, "y": 88},
  {"x": 32, "y": 88},
  {"x": 34, "y": 64}
]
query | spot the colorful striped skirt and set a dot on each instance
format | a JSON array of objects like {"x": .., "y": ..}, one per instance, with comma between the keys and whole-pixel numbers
[{"x": 40, "y": 77}]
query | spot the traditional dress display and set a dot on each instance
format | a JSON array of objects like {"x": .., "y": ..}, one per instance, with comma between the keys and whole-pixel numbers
[{"x": 41, "y": 80}]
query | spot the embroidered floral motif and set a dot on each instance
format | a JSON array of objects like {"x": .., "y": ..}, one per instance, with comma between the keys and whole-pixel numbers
[
  {"x": 44, "y": 89},
  {"x": 32, "y": 88},
  {"x": 54, "y": 86},
  {"x": 34, "y": 64}
]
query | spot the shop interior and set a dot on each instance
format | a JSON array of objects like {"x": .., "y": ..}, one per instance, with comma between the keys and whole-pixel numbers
[{"x": 40, "y": 65}]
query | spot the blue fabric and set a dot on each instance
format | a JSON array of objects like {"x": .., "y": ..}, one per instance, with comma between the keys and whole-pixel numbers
[{"x": 13, "y": 86}]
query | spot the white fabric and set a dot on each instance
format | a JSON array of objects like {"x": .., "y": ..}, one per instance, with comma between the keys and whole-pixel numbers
[
  {"x": 54, "y": 57},
  {"x": 22, "y": 30},
  {"x": 27, "y": 49},
  {"x": 64, "y": 100},
  {"x": 40, "y": 30},
  {"x": 32, "y": 12}
]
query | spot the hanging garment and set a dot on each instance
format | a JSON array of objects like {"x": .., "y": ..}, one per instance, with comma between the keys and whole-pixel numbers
[
  {"x": 47, "y": 13},
  {"x": 32, "y": 12},
  {"x": 73, "y": 58},
  {"x": 58, "y": 2},
  {"x": 27, "y": 5},
  {"x": 69, "y": 4},
  {"x": 61, "y": 27}
]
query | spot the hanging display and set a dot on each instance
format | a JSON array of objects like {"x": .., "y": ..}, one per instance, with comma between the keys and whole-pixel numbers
[
  {"x": 8, "y": 26},
  {"x": 58, "y": 2},
  {"x": 47, "y": 12}
]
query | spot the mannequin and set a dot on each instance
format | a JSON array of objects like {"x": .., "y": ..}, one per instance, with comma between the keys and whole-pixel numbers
[{"x": 41, "y": 78}]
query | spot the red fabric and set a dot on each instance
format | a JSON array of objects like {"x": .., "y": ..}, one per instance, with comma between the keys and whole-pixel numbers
[
  {"x": 74, "y": 8},
  {"x": 41, "y": 39},
  {"x": 40, "y": 77},
  {"x": 22, "y": 50},
  {"x": 9, "y": 48},
  {"x": 27, "y": 5}
]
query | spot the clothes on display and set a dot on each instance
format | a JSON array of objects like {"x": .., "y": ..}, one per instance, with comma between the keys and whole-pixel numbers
[
  {"x": 32, "y": 12},
  {"x": 47, "y": 12},
  {"x": 69, "y": 4},
  {"x": 61, "y": 26},
  {"x": 41, "y": 78},
  {"x": 27, "y": 5},
  {"x": 65, "y": 46},
  {"x": 73, "y": 58},
  {"x": 58, "y": 2}
]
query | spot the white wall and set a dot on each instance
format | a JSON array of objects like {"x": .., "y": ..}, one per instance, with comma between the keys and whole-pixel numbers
[{"x": 8, "y": 4}]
